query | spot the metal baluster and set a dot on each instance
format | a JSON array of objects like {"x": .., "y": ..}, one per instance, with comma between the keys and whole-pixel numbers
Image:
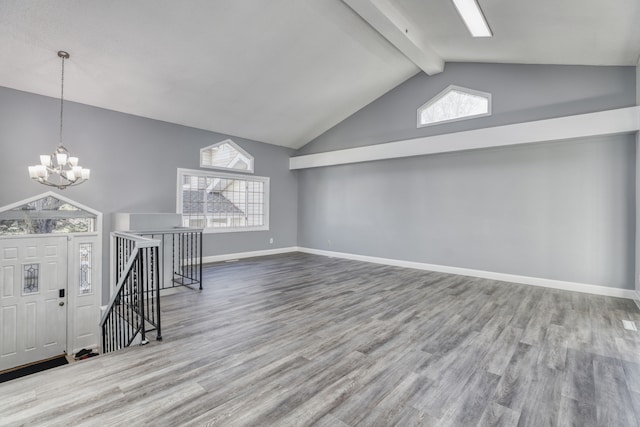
[
  {"x": 148, "y": 293},
  {"x": 182, "y": 246},
  {"x": 173, "y": 259},
  {"x": 158, "y": 319},
  {"x": 141, "y": 297},
  {"x": 200, "y": 257}
]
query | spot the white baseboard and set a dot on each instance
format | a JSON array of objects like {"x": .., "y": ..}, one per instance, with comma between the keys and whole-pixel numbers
[
  {"x": 240, "y": 255},
  {"x": 526, "y": 280}
]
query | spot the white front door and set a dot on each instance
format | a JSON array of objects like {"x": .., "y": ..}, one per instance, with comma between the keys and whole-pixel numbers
[{"x": 33, "y": 310}]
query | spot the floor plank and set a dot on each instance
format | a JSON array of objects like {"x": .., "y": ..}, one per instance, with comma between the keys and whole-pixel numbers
[{"x": 301, "y": 339}]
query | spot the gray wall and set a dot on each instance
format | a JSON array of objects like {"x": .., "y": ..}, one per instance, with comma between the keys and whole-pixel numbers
[
  {"x": 519, "y": 92},
  {"x": 133, "y": 164},
  {"x": 562, "y": 210}
]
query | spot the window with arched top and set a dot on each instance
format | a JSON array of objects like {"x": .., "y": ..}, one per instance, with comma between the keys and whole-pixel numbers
[
  {"x": 453, "y": 104},
  {"x": 226, "y": 155}
]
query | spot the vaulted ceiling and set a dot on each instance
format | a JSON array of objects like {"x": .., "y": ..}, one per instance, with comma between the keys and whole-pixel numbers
[{"x": 284, "y": 71}]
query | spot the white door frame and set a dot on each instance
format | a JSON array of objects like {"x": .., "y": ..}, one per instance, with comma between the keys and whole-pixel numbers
[{"x": 83, "y": 310}]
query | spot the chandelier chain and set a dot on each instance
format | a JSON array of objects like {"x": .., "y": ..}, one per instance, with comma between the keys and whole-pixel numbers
[{"x": 61, "y": 100}]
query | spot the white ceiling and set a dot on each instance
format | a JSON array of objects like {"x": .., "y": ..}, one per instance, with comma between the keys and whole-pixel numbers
[
  {"x": 283, "y": 71},
  {"x": 577, "y": 32}
]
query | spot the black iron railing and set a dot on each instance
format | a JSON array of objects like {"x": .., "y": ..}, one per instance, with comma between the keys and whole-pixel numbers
[
  {"x": 134, "y": 308},
  {"x": 184, "y": 246}
]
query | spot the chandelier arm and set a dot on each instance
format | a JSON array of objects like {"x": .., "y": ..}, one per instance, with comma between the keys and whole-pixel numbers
[
  {"x": 50, "y": 184},
  {"x": 62, "y": 186}
]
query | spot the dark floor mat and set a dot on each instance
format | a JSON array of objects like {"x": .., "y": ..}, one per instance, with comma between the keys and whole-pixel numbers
[{"x": 32, "y": 369}]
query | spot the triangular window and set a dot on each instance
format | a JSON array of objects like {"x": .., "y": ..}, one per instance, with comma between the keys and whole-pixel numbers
[
  {"x": 453, "y": 104},
  {"x": 45, "y": 215},
  {"x": 226, "y": 155}
]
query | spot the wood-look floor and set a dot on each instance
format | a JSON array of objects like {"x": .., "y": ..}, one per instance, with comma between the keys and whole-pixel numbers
[{"x": 299, "y": 339}]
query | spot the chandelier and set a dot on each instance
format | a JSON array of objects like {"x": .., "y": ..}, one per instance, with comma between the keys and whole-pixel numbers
[{"x": 59, "y": 169}]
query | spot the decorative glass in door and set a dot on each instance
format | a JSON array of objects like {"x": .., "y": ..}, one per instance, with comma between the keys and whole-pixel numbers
[
  {"x": 85, "y": 268},
  {"x": 30, "y": 278}
]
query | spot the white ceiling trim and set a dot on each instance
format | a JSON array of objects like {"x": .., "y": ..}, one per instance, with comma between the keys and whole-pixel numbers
[
  {"x": 609, "y": 122},
  {"x": 400, "y": 31}
]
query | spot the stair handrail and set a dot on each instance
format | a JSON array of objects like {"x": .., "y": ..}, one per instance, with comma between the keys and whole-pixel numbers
[{"x": 139, "y": 243}]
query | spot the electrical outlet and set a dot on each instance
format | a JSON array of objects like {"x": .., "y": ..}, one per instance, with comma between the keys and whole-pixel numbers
[
  {"x": 271, "y": 241},
  {"x": 329, "y": 242}
]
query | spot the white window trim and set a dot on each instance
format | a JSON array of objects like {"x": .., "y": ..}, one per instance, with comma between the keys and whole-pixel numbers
[
  {"x": 458, "y": 119},
  {"x": 234, "y": 145},
  {"x": 264, "y": 179}
]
